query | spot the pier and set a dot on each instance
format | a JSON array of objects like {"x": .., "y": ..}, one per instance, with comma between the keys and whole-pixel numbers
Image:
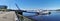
[{"x": 11, "y": 16}]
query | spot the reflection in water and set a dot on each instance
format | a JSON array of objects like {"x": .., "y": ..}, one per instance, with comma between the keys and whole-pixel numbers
[{"x": 54, "y": 16}]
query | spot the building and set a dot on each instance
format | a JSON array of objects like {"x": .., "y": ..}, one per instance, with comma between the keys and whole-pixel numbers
[{"x": 3, "y": 7}]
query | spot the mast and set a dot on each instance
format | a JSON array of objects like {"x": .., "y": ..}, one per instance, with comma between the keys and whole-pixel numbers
[{"x": 17, "y": 6}]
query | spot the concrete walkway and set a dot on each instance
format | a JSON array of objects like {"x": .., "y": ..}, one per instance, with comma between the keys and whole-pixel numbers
[
  {"x": 11, "y": 16},
  {"x": 7, "y": 16}
]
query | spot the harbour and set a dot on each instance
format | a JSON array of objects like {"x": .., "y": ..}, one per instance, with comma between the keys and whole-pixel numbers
[
  {"x": 29, "y": 10},
  {"x": 54, "y": 16},
  {"x": 27, "y": 15}
]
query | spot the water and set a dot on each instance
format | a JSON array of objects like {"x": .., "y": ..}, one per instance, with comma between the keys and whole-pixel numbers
[{"x": 54, "y": 16}]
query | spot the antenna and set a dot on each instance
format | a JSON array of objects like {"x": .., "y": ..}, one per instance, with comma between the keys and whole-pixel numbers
[{"x": 17, "y": 6}]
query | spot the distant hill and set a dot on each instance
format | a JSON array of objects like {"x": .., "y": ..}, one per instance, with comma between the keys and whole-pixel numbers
[{"x": 58, "y": 10}]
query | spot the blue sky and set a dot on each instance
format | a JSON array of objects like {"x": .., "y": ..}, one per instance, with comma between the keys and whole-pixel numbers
[{"x": 32, "y": 4}]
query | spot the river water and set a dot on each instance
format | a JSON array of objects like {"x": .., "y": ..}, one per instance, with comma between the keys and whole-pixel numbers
[{"x": 54, "y": 16}]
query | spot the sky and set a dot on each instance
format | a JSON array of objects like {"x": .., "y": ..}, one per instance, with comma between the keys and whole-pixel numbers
[{"x": 32, "y": 4}]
